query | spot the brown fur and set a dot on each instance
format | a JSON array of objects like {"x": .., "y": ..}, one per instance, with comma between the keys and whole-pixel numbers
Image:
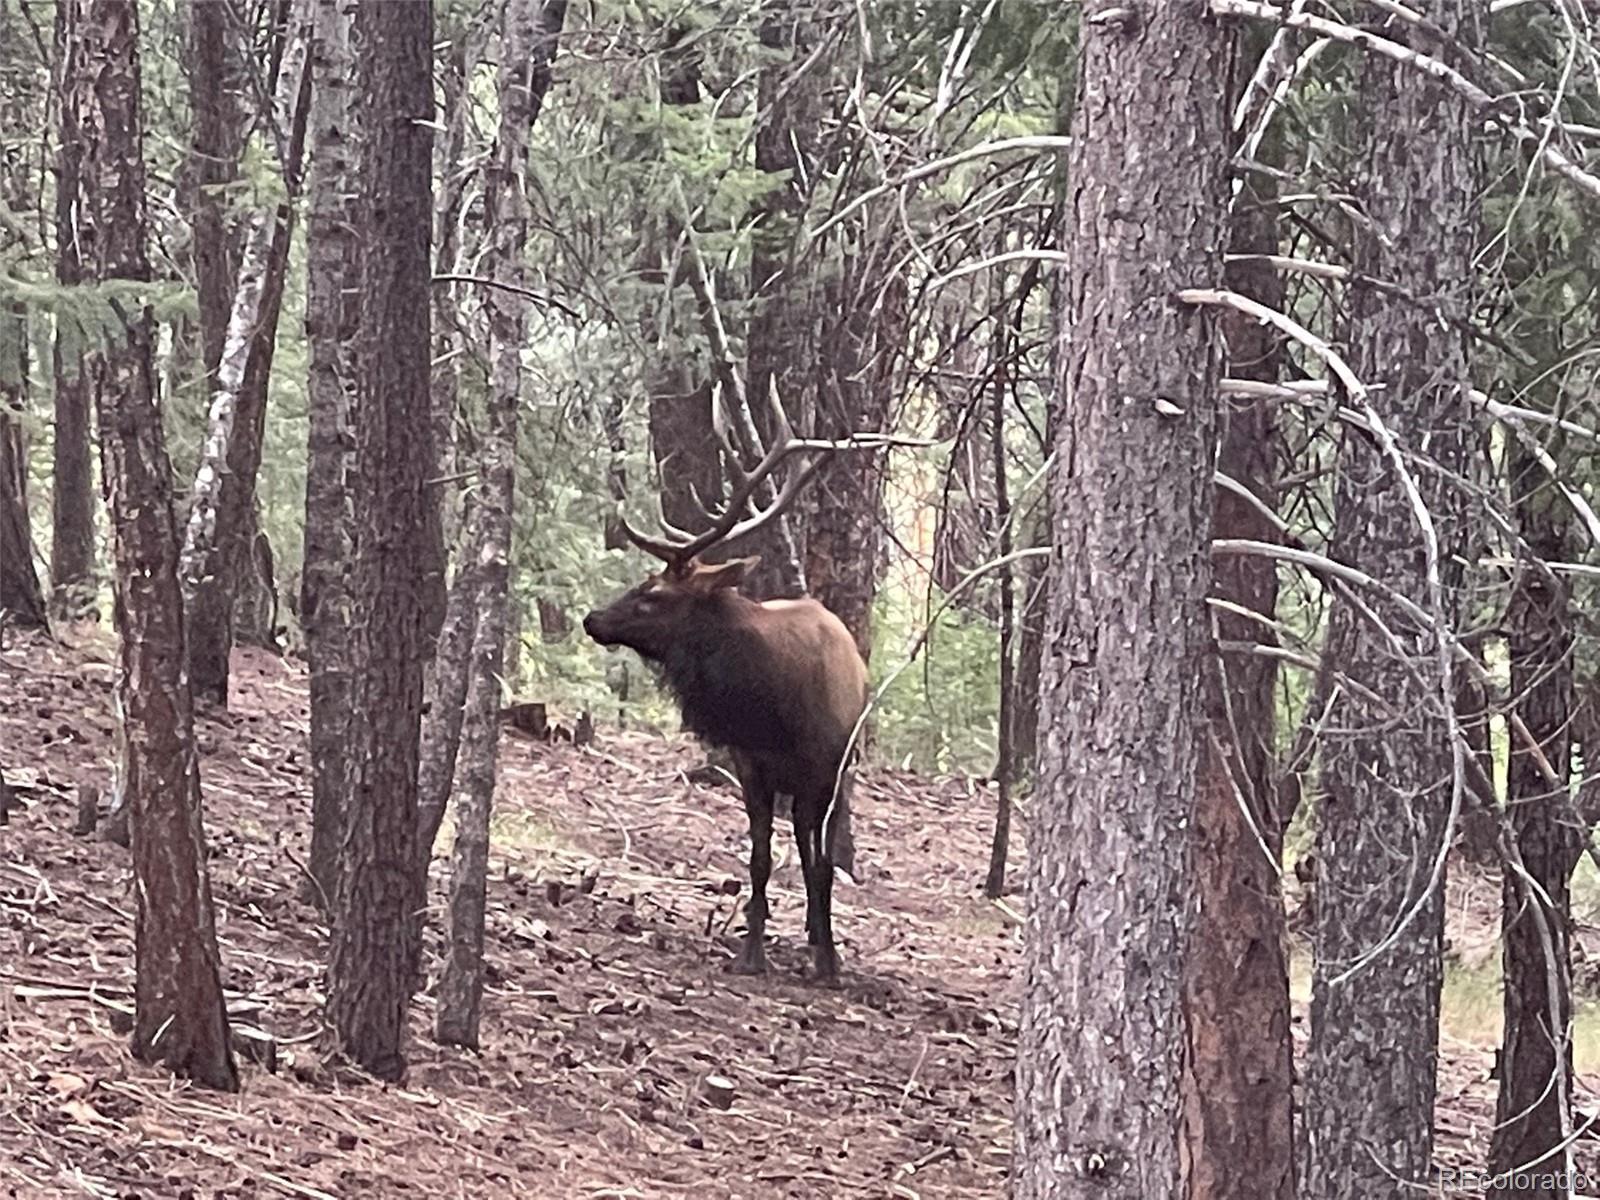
[{"x": 781, "y": 685}]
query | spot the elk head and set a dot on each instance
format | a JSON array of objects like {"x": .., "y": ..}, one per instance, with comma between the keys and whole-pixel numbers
[{"x": 653, "y": 616}]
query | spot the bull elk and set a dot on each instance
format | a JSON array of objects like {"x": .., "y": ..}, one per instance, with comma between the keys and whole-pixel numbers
[{"x": 779, "y": 684}]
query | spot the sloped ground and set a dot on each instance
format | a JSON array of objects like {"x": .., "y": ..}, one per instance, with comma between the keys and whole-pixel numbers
[{"x": 608, "y": 1004}]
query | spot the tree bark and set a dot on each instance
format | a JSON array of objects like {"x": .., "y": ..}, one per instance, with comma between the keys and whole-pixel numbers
[
  {"x": 453, "y": 255},
  {"x": 72, "y": 492},
  {"x": 783, "y": 288},
  {"x": 219, "y": 542},
  {"x": 21, "y": 599},
  {"x": 682, "y": 441},
  {"x": 526, "y": 44},
  {"x": 447, "y": 697},
  {"x": 994, "y": 884},
  {"x": 1388, "y": 760},
  {"x": 1102, "y": 1046},
  {"x": 332, "y": 317},
  {"x": 370, "y": 970},
  {"x": 1533, "y": 1112},
  {"x": 179, "y": 1016},
  {"x": 844, "y": 516},
  {"x": 214, "y": 164},
  {"x": 1241, "y": 1063}
]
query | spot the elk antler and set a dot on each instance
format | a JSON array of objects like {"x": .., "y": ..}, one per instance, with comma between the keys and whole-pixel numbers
[{"x": 726, "y": 525}]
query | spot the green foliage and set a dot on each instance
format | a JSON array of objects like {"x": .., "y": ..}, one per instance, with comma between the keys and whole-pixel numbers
[{"x": 941, "y": 714}]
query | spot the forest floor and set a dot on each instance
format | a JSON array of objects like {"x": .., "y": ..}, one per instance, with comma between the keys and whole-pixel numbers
[{"x": 611, "y": 914}]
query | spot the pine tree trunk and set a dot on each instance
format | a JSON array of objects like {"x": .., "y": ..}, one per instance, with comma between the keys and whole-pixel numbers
[
  {"x": 179, "y": 1016},
  {"x": 994, "y": 884},
  {"x": 844, "y": 516},
  {"x": 453, "y": 254},
  {"x": 1387, "y": 758},
  {"x": 447, "y": 695},
  {"x": 72, "y": 493},
  {"x": 527, "y": 44},
  {"x": 21, "y": 600},
  {"x": 682, "y": 441},
  {"x": 370, "y": 971},
  {"x": 459, "y": 643},
  {"x": 782, "y": 287},
  {"x": 1533, "y": 1114},
  {"x": 1102, "y": 1046},
  {"x": 1237, "y": 987},
  {"x": 220, "y": 536},
  {"x": 214, "y": 79},
  {"x": 332, "y": 297}
]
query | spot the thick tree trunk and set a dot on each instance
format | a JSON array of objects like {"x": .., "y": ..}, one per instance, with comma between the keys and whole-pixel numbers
[
  {"x": 1102, "y": 1047},
  {"x": 682, "y": 441},
  {"x": 370, "y": 970},
  {"x": 782, "y": 288},
  {"x": 220, "y": 538},
  {"x": 179, "y": 1016},
  {"x": 1240, "y": 1070},
  {"x": 1388, "y": 761},
  {"x": 1533, "y": 1114},
  {"x": 844, "y": 517},
  {"x": 72, "y": 491},
  {"x": 527, "y": 46},
  {"x": 332, "y": 317}
]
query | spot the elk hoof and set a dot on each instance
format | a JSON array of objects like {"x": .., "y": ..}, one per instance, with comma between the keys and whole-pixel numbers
[
  {"x": 824, "y": 967},
  {"x": 752, "y": 960}
]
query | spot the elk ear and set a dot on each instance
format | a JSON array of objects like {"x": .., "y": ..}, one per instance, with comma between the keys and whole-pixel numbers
[{"x": 717, "y": 576}]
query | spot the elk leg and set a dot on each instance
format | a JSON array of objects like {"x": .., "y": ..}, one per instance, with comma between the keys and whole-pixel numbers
[
  {"x": 818, "y": 870},
  {"x": 752, "y": 958}
]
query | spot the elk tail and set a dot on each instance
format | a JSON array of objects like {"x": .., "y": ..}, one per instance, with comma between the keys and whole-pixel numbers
[{"x": 838, "y": 842}]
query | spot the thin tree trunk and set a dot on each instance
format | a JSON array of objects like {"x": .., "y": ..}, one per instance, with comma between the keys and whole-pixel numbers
[
  {"x": 994, "y": 885},
  {"x": 1240, "y": 1067},
  {"x": 1390, "y": 766},
  {"x": 447, "y": 696},
  {"x": 1479, "y": 836},
  {"x": 1533, "y": 1113},
  {"x": 458, "y": 638},
  {"x": 179, "y": 1016},
  {"x": 21, "y": 599},
  {"x": 370, "y": 970},
  {"x": 219, "y": 539},
  {"x": 72, "y": 491},
  {"x": 457, "y": 173},
  {"x": 527, "y": 46},
  {"x": 1101, "y": 1052},
  {"x": 332, "y": 317},
  {"x": 212, "y": 62}
]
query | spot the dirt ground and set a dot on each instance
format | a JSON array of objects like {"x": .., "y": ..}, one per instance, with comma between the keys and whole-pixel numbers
[{"x": 610, "y": 922}]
